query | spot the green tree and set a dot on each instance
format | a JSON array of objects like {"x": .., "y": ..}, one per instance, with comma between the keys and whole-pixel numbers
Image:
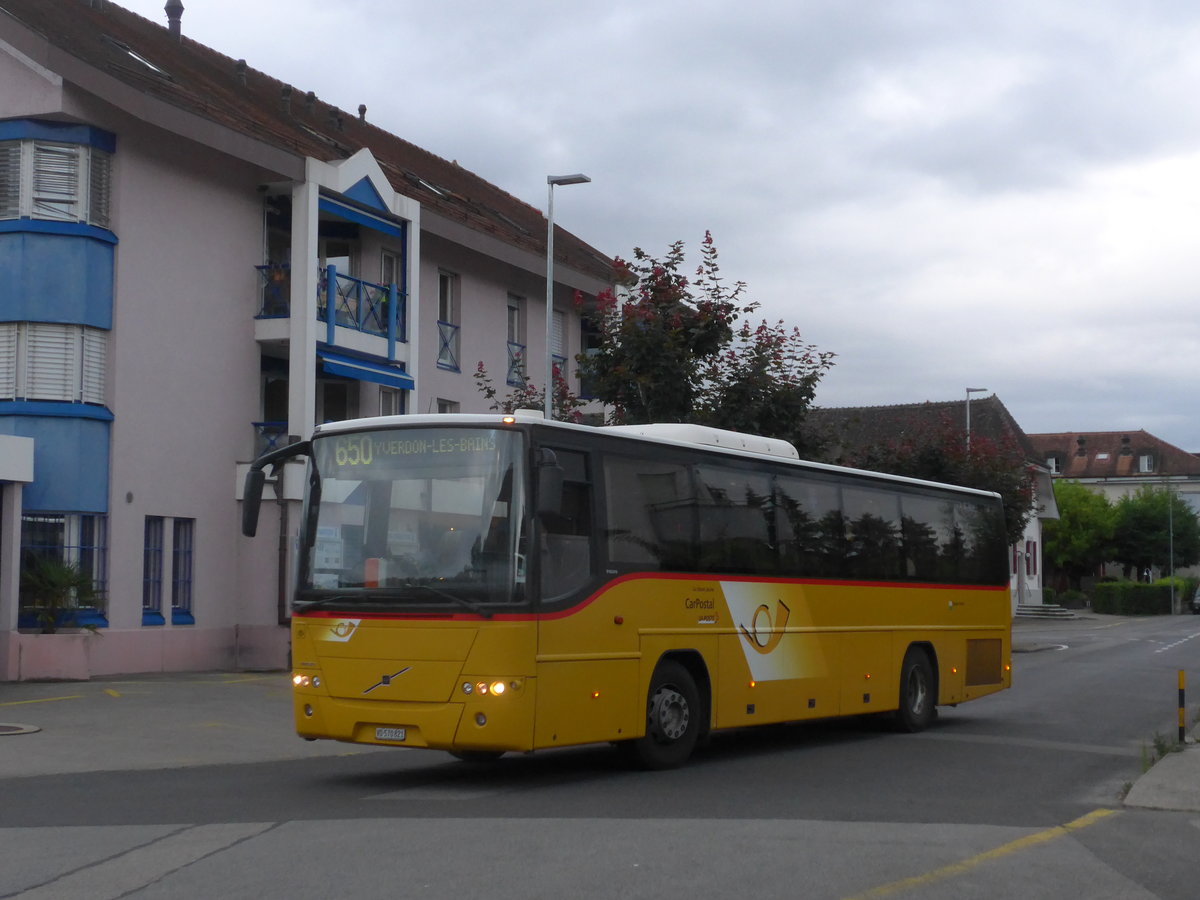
[
  {"x": 941, "y": 454},
  {"x": 1081, "y": 539},
  {"x": 1148, "y": 524}
]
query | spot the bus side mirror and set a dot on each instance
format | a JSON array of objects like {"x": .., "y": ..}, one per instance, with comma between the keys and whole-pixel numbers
[
  {"x": 256, "y": 478},
  {"x": 549, "y": 484},
  {"x": 252, "y": 500}
]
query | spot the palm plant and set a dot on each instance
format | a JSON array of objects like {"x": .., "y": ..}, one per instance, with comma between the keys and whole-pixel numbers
[{"x": 53, "y": 588}]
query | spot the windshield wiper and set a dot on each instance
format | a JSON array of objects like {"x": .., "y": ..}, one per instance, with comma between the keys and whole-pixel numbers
[{"x": 454, "y": 598}]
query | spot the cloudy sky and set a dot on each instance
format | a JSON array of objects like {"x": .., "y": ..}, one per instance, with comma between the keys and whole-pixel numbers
[{"x": 998, "y": 195}]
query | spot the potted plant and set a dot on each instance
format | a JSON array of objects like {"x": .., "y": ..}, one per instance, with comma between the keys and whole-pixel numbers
[{"x": 55, "y": 592}]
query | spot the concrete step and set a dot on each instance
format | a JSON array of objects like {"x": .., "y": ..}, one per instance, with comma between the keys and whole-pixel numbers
[{"x": 1044, "y": 611}]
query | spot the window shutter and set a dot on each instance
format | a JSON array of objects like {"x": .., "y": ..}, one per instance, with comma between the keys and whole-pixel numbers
[
  {"x": 10, "y": 179},
  {"x": 558, "y": 335},
  {"x": 8, "y": 360},
  {"x": 50, "y": 363},
  {"x": 95, "y": 358},
  {"x": 55, "y": 182},
  {"x": 99, "y": 187}
]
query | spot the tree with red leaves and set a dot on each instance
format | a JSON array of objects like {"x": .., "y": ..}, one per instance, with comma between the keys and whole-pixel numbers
[{"x": 674, "y": 349}]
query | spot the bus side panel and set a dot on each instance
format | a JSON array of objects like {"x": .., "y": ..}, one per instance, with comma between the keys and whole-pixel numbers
[
  {"x": 744, "y": 700},
  {"x": 868, "y": 679},
  {"x": 584, "y": 701}
]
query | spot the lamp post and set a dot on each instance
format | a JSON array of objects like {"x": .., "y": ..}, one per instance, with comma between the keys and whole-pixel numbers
[
  {"x": 971, "y": 391},
  {"x": 553, "y": 180}
]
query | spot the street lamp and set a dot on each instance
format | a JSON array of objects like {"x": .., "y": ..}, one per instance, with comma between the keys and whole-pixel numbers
[
  {"x": 971, "y": 391},
  {"x": 553, "y": 180}
]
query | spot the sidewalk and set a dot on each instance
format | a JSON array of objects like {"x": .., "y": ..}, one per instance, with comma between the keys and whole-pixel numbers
[
  {"x": 152, "y": 722},
  {"x": 190, "y": 719}
]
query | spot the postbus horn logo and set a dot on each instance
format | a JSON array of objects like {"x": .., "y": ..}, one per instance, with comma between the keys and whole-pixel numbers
[{"x": 764, "y": 634}]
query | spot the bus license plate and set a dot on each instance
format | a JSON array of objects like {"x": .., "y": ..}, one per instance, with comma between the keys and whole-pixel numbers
[{"x": 389, "y": 734}]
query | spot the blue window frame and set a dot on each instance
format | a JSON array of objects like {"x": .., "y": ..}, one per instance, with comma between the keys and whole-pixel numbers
[
  {"x": 182, "y": 550},
  {"x": 152, "y": 571}
]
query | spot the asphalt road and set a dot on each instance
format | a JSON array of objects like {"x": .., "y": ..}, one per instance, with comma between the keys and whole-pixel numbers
[{"x": 1015, "y": 795}]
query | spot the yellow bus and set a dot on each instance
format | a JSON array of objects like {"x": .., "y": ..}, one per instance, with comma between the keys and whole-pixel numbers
[{"x": 484, "y": 583}]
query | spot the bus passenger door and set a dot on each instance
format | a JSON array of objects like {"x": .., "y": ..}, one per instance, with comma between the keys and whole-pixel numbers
[{"x": 587, "y": 663}]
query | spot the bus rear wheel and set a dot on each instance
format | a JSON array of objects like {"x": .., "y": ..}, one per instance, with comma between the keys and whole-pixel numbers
[
  {"x": 673, "y": 718},
  {"x": 918, "y": 696}
]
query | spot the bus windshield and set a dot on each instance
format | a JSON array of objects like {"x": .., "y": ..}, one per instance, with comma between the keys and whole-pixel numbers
[{"x": 424, "y": 520}]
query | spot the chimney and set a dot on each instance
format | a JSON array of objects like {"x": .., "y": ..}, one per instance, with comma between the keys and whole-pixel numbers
[
  {"x": 310, "y": 102},
  {"x": 239, "y": 70},
  {"x": 174, "y": 9},
  {"x": 362, "y": 111},
  {"x": 285, "y": 99},
  {"x": 1081, "y": 446}
]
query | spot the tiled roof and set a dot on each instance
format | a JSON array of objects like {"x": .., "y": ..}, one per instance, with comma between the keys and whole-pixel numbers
[
  {"x": 199, "y": 80},
  {"x": 849, "y": 429},
  {"x": 1113, "y": 454}
]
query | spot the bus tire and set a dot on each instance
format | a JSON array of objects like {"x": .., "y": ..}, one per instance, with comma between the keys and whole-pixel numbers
[
  {"x": 673, "y": 718},
  {"x": 918, "y": 692},
  {"x": 477, "y": 756}
]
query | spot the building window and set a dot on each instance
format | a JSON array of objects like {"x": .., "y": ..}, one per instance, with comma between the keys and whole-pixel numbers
[
  {"x": 447, "y": 406},
  {"x": 516, "y": 341},
  {"x": 448, "y": 324},
  {"x": 389, "y": 268},
  {"x": 55, "y": 181},
  {"x": 1053, "y": 464},
  {"x": 391, "y": 401},
  {"x": 182, "y": 550},
  {"x": 79, "y": 539},
  {"x": 152, "y": 571},
  {"x": 337, "y": 400},
  {"x": 47, "y": 361},
  {"x": 1145, "y": 463}
]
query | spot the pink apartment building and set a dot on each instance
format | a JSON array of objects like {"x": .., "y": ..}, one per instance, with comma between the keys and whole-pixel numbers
[{"x": 198, "y": 262}]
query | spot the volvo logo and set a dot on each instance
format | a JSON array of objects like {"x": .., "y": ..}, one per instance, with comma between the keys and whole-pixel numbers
[{"x": 385, "y": 680}]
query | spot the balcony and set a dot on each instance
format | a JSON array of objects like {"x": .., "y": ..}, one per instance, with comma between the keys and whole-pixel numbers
[
  {"x": 516, "y": 365},
  {"x": 448, "y": 346},
  {"x": 357, "y": 304}
]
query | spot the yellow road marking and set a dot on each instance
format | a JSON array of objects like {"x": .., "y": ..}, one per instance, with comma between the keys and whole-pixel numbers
[
  {"x": 966, "y": 865},
  {"x": 111, "y": 692},
  {"x": 42, "y": 700}
]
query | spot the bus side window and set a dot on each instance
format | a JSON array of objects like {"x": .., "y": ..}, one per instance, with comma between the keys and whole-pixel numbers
[
  {"x": 651, "y": 511},
  {"x": 736, "y": 521},
  {"x": 567, "y": 534},
  {"x": 810, "y": 528}
]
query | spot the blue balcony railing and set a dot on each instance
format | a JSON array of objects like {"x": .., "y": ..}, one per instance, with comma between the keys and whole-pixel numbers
[
  {"x": 448, "y": 346},
  {"x": 357, "y": 304},
  {"x": 516, "y": 364},
  {"x": 268, "y": 436}
]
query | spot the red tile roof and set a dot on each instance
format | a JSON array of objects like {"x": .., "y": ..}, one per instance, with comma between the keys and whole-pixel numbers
[
  {"x": 846, "y": 430},
  {"x": 1113, "y": 454},
  {"x": 199, "y": 80}
]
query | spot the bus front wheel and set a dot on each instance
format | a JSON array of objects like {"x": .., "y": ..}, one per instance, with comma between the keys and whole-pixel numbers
[
  {"x": 673, "y": 713},
  {"x": 918, "y": 692}
]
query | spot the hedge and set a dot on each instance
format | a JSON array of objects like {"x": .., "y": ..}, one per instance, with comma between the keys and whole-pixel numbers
[{"x": 1131, "y": 598}]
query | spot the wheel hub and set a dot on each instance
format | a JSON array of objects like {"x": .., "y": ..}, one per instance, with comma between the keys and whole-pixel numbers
[{"x": 669, "y": 713}]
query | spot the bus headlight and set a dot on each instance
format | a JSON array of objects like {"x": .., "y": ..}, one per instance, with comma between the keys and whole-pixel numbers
[
  {"x": 494, "y": 687},
  {"x": 304, "y": 680}
]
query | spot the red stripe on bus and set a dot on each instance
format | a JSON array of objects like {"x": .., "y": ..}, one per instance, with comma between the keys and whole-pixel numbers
[{"x": 644, "y": 576}]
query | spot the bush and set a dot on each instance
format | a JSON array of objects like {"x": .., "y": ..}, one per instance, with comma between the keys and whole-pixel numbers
[
  {"x": 1129, "y": 598},
  {"x": 1048, "y": 595},
  {"x": 1073, "y": 600}
]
